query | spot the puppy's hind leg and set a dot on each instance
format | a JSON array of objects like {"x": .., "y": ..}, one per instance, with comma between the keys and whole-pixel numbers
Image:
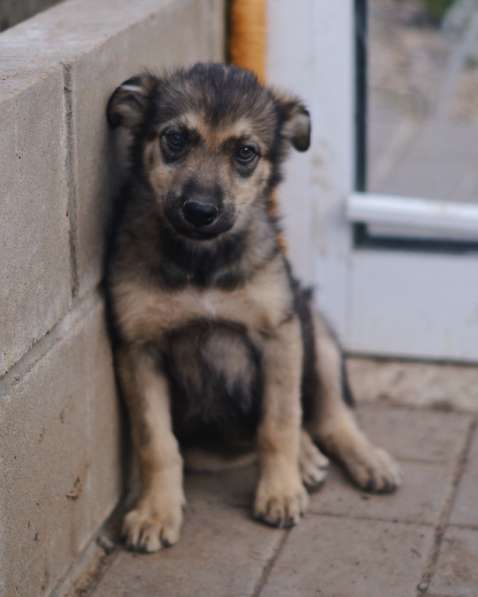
[{"x": 335, "y": 427}]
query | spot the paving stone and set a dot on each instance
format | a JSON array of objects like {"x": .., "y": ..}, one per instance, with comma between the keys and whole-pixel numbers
[
  {"x": 34, "y": 246},
  {"x": 420, "y": 499},
  {"x": 220, "y": 554},
  {"x": 323, "y": 555},
  {"x": 465, "y": 509},
  {"x": 350, "y": 558},
  {"x": 456, "y": 570},
  {"x": 57, "y": 485},
  {"x": 416, "y": 435}
]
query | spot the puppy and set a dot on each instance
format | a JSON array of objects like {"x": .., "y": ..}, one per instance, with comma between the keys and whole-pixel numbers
[{"x": 218, "y": 353}]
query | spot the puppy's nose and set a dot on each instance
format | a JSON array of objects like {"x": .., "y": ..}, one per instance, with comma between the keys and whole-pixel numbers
[{"x": 200, "y": 213}]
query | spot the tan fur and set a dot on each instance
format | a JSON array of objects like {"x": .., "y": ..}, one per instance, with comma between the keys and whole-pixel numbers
[
  {"x": 157, "y": 516},
  {"x": 146, "y": 312},
  {"x": 281, "y": 498},
  {"x": 263, "y": 308},
  {"x": 336, "y": 428}
]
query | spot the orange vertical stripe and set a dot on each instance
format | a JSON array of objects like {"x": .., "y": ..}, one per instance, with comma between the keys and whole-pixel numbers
[
  {"x": 247, "y": 35},
  {"x": 247, "y": 49}
]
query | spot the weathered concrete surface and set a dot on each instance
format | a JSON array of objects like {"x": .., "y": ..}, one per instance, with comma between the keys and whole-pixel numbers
[
  {"x": 457, "y": 567},
  {"x": 59, "y": 458},
  {"x": 354, "y": 558},
  {"x": 440, "y": 386},
  {"x": 34, "y": 247},
  {"x": 350, "y": 544},
  {"x": 465, "y": 508},
  {"x": 418, "y": 434},
  {"x": 222, "y": 553}
]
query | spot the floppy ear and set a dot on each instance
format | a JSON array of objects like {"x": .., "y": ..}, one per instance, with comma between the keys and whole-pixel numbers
[
  {"x": 129, "y": 102},
  {"x": 296, "y": 124}
]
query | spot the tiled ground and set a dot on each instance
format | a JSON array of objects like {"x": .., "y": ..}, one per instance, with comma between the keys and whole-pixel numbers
[{"x": 421, "y": 541}]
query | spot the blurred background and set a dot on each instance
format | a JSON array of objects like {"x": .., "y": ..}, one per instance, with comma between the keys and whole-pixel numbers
[
  {"x": 423, "y": 89},
  {"x": 382, "y": 214}
]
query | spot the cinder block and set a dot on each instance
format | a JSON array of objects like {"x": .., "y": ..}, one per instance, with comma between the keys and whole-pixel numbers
[
  {"x": 351, "y": 558},
  {"x": 59, "y": 459},
  {"x": 34, "y": 246},
  {"x": 465, "y": 508},
  {"x": 104, "y": 424}
]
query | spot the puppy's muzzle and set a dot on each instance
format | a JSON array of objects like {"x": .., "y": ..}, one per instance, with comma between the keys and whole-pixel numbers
[{"x": 200, "y": 213}]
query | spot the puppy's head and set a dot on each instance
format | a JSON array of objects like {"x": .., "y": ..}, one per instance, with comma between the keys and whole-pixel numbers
[{"x": 209, "y": 142}]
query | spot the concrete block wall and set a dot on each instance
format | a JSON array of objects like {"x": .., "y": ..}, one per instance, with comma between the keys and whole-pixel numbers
[
  {"x": 13, "y": 11},
  {"x": 59, "y": 424}
]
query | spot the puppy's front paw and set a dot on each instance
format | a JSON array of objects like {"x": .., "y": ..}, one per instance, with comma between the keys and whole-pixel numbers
[
  {"x": 152, "y": 524},
  {"x": 373, "y": 469},
  {"x": 280, "y": 501}
]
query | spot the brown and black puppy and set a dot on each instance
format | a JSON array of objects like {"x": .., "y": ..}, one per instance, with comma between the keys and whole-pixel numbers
[{"x": 215, "y": 342}]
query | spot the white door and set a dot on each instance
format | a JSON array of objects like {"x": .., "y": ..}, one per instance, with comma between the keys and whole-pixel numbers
[{"x": 396, "y": 275}]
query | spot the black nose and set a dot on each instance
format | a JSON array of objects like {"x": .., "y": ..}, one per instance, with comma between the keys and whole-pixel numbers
[{"x": 199, "y": 213}]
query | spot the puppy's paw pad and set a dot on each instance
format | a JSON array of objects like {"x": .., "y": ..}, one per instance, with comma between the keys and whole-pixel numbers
[
  {"x": 145, "y": 530},
  {"x": 282, "y": 508},
  {"x": 313, "y": 465},
  {"x": 375, "y": 470}
]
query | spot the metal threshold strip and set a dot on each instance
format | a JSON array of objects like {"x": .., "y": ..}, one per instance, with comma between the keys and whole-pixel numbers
[{"x": 388, "y": 216}]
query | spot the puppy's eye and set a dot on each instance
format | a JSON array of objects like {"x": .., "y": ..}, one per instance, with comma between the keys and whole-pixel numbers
[
  {"x": 175, "y": 141},
  {"x": 245, "y": 154}
]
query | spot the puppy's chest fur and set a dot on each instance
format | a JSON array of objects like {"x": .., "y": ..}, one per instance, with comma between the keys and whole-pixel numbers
[
  {"x": 145, "y": 311},
  {"x": 208, "y": 341}
]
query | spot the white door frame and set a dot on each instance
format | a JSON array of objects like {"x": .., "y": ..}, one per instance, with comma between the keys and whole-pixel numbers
[{"x": 382, "y": 301}]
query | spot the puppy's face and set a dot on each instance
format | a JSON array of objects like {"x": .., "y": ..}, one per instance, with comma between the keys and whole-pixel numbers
[{"x": 209, "y": 142}]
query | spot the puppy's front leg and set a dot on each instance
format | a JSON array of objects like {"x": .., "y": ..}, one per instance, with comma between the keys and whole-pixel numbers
[
  {"x": 281, "y": 498},
  {"x": 156, "y": 519}
]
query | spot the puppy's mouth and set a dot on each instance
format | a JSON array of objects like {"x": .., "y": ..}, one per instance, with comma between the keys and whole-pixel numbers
[{"x": 199, "y": 220}]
